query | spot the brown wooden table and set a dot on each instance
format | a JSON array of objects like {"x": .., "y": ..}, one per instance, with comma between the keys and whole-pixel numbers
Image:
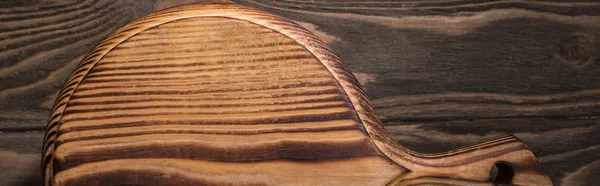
[{"x": 441, "y": 74}]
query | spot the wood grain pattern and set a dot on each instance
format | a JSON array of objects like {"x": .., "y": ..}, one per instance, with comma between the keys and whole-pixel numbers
[
  {"x": 454, "y": 53},
  {"x": 20, "y": 158},
  {"x": 41, "y": 42},
  {"x": 465, "y": 60},
  {"x": 44, "y": 42},
  {"x": 499, "y": 67},
  {"x": 179, "y": 88},
  {"x": 566, "y": 160},
  {"x": 274, "y": 98}
]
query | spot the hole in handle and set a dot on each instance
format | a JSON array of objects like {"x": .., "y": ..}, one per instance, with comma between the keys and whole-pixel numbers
[{"x": 502, "y": 173}]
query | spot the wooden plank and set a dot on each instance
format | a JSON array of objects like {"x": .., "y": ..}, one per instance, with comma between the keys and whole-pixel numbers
[
  {"x": 41, "y": 43},
  {"x": 20, "y": 158},
  {"x": 497, "y": 64},
  {"x": 420, "y": 61},
  {"x": 462, "y": 59}
]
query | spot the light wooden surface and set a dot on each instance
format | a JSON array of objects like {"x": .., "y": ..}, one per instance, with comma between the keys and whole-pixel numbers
[
  {"x": 225, "y": 94},
  {"x": 440, "y": 75}
]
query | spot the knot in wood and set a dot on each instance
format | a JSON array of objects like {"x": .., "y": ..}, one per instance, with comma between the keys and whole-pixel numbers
[{"x": 576, "y": 50}]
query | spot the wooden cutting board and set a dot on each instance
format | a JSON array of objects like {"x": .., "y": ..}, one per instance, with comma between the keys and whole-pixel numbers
[{"x": 224, "y": 94}]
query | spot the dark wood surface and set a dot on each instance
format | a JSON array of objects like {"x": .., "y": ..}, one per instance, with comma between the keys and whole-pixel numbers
[{"x": 440, "y": 74}]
